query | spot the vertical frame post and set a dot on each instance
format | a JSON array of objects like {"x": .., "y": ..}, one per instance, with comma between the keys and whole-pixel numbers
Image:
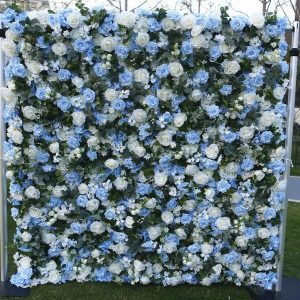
[{"x": 289, "y": 140}]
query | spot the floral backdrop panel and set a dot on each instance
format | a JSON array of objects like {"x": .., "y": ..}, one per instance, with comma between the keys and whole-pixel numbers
[{"x": 145, "y": 147}]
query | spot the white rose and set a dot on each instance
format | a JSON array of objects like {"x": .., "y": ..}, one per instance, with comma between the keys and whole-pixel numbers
[
  {"x": 263, "y": 233},
  {"x": 279, "y": 92},
  {"x": 267, "y": 118},
  {"x": 26, "y": 236},
  {"x": 83, "y": 188},
  {"x": 54, "y": 276},
  {"x": 126, "y": 18},
  {"x": 110, "y": 94},
  {"x": 167, "y": 217},
  {"x": 78, "y": 118},
  {"x": 92, "y": 205},
  {"x": 181, "y": 233},
  {"x": 74, "y": 19},
  {"x": 141, "y": 75},
  {"x": 32, "y": 193},
  {"x": 140, "y": 151},
  {"x": 108, "y": 44},
  {"x": 111, "y": 164},
  {"x": 97, "y": 227},
  {"x": 24, "y": 262},
  {"x": 201, "y": 178},
  {"x": 120, "y": 184},
  {"x": 197, "y": 29},
  {"x": 54, "y": 147},
  {"x": 199, "y": 41},
  {"x": 9, "y": 96},
  {"x": 116, "y": 268},
  {"x": 179, "y": 119},
  {"x": 188, "y": 22},
  {"x": 259, "y": 175},
  {"x": 247, "y": 133},
  {"x": 142, "y": 39},
  {"x": 29, "y": 112},
  {"x": 168, "y": 24},
  {"x": 138, "y": 266},
  {"x": 257, "y": 20},
  {"x": 206, "y": 248},
  {"x": 129, "y": 222},
  {"x": 214, "y": 212},
  {"x": 196, "y": 95},
  {"x": 9, "y": 47},
  {"x": 241, "y": 241},
  {"x": 249, "y": 99},
  {"x": 151, "y": 203},
  {"x": 59, "y": 49},
  {"x": 230, "y": 67},
  {"x": 223, "y": 223},
  {"x": 189, "y": 205},
  {"x": 209, "y": 193},
  {"x": 212, "y": 151},
  {"x": 164, "y": 138},
  {"x": 160, "y": 178},
  {"x": 191, "y": 169},
  {"x": 78, "y": 82},
  {"x": 139, "y": 115},
  {"x": 176, "y": 69},
  {"x": 164, "y": 94},
  {"x": 16, "y": 136},
  {"x": 95, "y": 253},
  {"x": 57, "y": 190},
  {"x": 169, "y": 247}
]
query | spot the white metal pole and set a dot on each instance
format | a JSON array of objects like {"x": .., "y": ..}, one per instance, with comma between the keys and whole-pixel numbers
[
  {"x": 289, "y": 140},
  {"x": 3, "y": 199}
]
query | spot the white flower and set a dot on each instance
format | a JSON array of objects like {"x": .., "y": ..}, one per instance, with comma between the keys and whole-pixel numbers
[
  {"x": 206, "y": 248},
  {"x": 24, "y": 262},
  {"x": 32, "y": 193},
  {"x": 54, "y": 276},
  {"x": 142, "y": 39},
  {"x": 78, "y": 118},
  {"x": 223, "y": 223},
  {"x": 154, "y": 232},
  {"x": 83, "y": 188},
  {"x": 188, "y": 22},
  {"x": 257, "y": 20},
  {"x": 199, "y": 41},
  {"x": 29, "y": 112},
  {"x": 191, "y": 170},
  {"x": 151, "y": 203},
  {"x": 26, "y": 236},
  {"x": 169, "y": 247},
  {"x": 34, "y": 66},
  {"x": 129, "y": 222},
  {"x": 97, "y": 227},
  {"x": 230, "y": 67},
  {"x": 120, "y": 184},
  {"x": 126, "y": 18},
  {"x": 267, "y": 118},
  {"x": 78, "y": 82},
  {"x": 209, "y": 193},
  {"x": 59, "y": 49},
  {"x": 110, "y": 94},
  {"x": 189, "y": 205},
  {"x": 9, "y": 96},
  {"x": 92, "y": 205},
  {"x": 139, "y": 115},
  {"x": 249, "y": 99},
  {"x": 54, "y": 147},
  {"x": 108, "y": 44},
  {"x": 212, "y": 151},
  {"x": 181, "y": 233},
  {"x": 141, "y": 75},
  {"x": 138, "y": 266},
  {"x": 160, "y": 178},
  {"x": 164, "y": 138},
  {"x": 116, "y": 268},
  {"x": 167, "y": 217},
  {"x": 168, "y": 24},
  {"x": 111, "y": 163},
  {"x": 196, "y": 95},
  {"x": 140, "y": 151},
  {"x": 247, "y": 132},
  {"x": 164, "y": 94},
  {"x": 241, "y": 241},
  {"x": 95, "y": 253},
  {"x": 263, "y": 233},
  {"x": 279, "y": 92},
  {"x": 9, "y": 47},
  {"x": 176, "y": 69},
  {"x": 179, "y": 119},
  {"x": 16, "y": 136},
  {"x": 74, "y": 19},
  {"x": 201, "y": 178}
]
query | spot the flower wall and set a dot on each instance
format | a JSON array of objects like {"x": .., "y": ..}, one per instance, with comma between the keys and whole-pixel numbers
[{"x": 145, "y": 148}]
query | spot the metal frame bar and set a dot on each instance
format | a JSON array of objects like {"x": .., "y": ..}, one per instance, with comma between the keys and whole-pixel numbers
[{"x": 289, "y": 140}]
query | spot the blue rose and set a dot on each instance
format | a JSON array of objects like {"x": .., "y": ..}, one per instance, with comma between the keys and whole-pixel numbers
[
  {"x": 92, "y": 155},
  {"x": 63, "y": 103},
  {"x": 82, "y": 200},
  {"x": 270, "y": 213},
  {"x": 226, "y": 89},
  {"x": 266, "y": 137},
  {"x": 213, "y": 111},
  {"x": 73, "y": 178},
  {"x": 237, "y": 23},
  {"x": 118, "y": 104},
  {"x": 63, "y": 75},
  {"x": 122, "y": 51},
  {"x": 192, "y": 137},
  {"x": 99, "y": 70},
  {"x": 162, "y": 70},
  {"x": 73, "y": 142},
  {"x": 223, "y": 186},
  {"x": 201, "y": 77},
  {"x": 247, "y": 164},
  {"x": 101, "y": 194},
  {"x": 41, "y": 93},
  {"x": 151, "y": 101},
  {"x": 214, "y": 52},
  {"x": 186, "y": 48},
  {"x": 152, "y": 47},
  {"x": 42, "y": 157},
  {"x": 16, "y": 28},
  {"x": 89, "y": 95},
  {"x": 126, "y": 78},
  {"x": 76, "y": 228},
  {"x": 80, "y": 45},
  {"x": 19, "y": 70},
  {"x": 143, "y": 189},
  {"x": 103, "y": 275}
]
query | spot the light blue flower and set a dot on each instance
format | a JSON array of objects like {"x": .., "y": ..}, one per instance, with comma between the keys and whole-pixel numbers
[
  {"x": 152, "y": 47},
  {"x": 192, "y": 137},
  {"x": 152, "y": 101},
  {"x": 81, "y": 45},
  {"x": 213, "y": 111},
  {"x": 99, "y": 70},
  {"x": 16, "y": 28},
  {"x": 174, "y": 15},
  {"x": 19, "y": 70},
  {"x": 201, "y": 77},
  {"x": 118, "y": 104},
  {"x": 266, "y": 137},
  {"x": 63, "y": 75},
  {"x": 125, "y": 78},
  {"x": 215, "y": 52},
  {"x": 122, "y": 51},
  {"x": 247, "y": 164},
  {"x": 154, "y": 25},
  {"x": 269, "y": 213},
  {"x": 237, "y": 23},
  {"x": 186, "y": 48},
  {"x": 89, "y": 95},
  {"x": 41, "y": 92},
  {"x": 64, "y": 104},
  {"x": 252, "y": 52},
  {"x": 42, "y": 157},
  {"x": 226, "y": 89},
  {"x": 223, "y": 186},
  {"x": 162, "y": 70}
]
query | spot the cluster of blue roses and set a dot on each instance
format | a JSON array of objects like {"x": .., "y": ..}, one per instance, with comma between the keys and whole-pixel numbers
[{"x": 145, "y": 147}]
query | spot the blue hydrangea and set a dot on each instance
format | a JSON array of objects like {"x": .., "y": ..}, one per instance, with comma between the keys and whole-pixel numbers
[
  {"x": 252, "y": 52},
  {"x": 16, "y": 28},
  {"x": 247, "y": 164},
  {"x": 19, "y": 70},
  {"x": 173, "y": 15},
  {"x": 223, "y": 186},
  {"x": 143, "y": 189}
]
